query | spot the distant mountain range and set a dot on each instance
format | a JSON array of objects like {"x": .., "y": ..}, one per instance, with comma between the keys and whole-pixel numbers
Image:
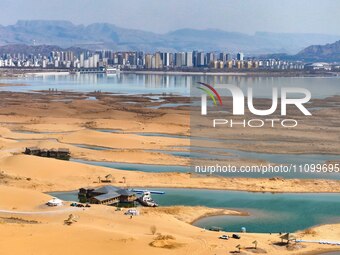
[
  {"x": 43, "y": 50},
  {"x": 108, "y": 36},
  {"x": 328, "y": 52}
]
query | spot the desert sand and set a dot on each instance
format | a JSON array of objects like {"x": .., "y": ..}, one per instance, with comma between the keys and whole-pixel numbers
[{"x": 67, "y": 119}]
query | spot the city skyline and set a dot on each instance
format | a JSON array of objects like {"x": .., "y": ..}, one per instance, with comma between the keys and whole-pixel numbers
[{"x": 305, "y": 16}]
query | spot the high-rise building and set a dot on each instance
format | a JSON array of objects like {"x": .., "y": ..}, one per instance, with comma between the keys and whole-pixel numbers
[
  {"x": 194, "y": 57},
  {"x": 158, "y": 60},
  {"x": 179, "y": 59},
  {"x": 91, "y": 62},
  {"x": 81, "y": 60},
  {"x": 200, "y": 59},
  {"x": 240, "y": 56},
  {"x": 210, "y": 58},
  {"x": 95, "y": 60},
  {"x": 148, "y": 61},
  {"x": 188, "y": 59},
  {"x": 222, "y": 57},
  {"x": 132, "y": 59},
  {"x": 165, "y": 59}
]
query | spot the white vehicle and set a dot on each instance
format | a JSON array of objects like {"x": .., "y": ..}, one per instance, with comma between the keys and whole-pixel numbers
[
  {"x": 132, "y": 212},
  {"x": 224, "y": 237}
]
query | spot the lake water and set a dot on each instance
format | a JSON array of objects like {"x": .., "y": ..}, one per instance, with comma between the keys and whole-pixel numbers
[
  {"x": 320, "y": 87},
  {"x": 196, "y": 155},
  {"x": 135, "y": 167},
  {"x": 268, "y": 212}
]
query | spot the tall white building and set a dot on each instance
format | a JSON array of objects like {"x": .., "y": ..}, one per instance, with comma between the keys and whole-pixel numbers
[
  {"x": 188, "y": 59},
  {"x": 81, "y": 59}
]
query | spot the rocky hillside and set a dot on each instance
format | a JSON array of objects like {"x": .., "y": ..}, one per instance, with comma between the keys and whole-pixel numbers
[{"x": 328, "y": 52}]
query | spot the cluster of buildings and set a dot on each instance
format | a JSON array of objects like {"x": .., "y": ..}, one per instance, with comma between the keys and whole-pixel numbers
[
  {"x": 107, "y": 195},
  {"x": 137, "y": 60},
  {"x": 212, "y": 60}
]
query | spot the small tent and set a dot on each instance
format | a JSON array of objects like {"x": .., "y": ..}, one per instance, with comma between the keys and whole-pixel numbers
[{"x": 55, "y": 202}]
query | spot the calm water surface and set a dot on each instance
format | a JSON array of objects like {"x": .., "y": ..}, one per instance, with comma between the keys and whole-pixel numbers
[
  {"x": 320, "y": 87},
  {"x": 268, "y": 212}
]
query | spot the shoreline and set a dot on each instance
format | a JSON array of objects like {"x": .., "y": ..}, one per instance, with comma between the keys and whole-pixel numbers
[
  {"x": 166, "y": 221},
  {"x": 191, "y": 214},
  {"x": 200, "y": 188},
  {"x": 15, "y": 73},
  {"x": 233, "y": 73}
]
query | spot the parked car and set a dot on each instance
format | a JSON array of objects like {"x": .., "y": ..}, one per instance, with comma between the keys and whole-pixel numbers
[
  {"x": 224, "y": 237},
  {"x": 132, "y": 212},
  {"x": 236, "y": 236}
]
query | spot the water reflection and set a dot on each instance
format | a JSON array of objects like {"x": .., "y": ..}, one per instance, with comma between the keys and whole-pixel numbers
[{"x": 320, "y": 87}]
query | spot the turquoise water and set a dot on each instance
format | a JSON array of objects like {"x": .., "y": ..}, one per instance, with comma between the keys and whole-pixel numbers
[
  {"x": 268, "y": 212},
  {"x": 134, "y": 167},
  {"x": 198, "y": 155},
  {"x": 185, "y": 154}
]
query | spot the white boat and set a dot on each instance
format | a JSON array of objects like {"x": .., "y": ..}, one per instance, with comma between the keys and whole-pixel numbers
[
  {"x": 146, "y": 200},
  {"x": 111, "y": 71}
]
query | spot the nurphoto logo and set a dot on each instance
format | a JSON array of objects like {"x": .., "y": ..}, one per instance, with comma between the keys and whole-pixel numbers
[{"x": 238, "y": 104}]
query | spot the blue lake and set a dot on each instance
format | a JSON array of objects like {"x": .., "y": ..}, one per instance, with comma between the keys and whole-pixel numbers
[{"x": 268, "y": 212}]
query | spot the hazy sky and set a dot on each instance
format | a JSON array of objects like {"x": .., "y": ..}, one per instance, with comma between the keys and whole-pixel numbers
[{"x": 247, "y": 16}]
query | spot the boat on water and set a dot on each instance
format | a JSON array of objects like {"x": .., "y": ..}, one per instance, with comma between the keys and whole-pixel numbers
[
  {"x": 146, "y": 200},
  {"x": 111, "y": 70}
]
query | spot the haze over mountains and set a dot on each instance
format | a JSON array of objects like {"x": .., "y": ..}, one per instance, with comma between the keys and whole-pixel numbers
[
  {"x": 328, "y": 52},
  {"x": 108, "y": 36}
]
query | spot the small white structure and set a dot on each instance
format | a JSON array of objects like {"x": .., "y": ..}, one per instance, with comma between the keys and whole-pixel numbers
[
  {"x": 318, "y": 66},
  {"x": 132, "y": 212},
  {"x": 55, "y": 202}
]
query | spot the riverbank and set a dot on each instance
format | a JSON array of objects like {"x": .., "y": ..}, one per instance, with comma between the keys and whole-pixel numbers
[
  {"x": 102, "y": 228},
  {"x": 250, "y": 73},
  {"x": 20, "y": 72}
]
